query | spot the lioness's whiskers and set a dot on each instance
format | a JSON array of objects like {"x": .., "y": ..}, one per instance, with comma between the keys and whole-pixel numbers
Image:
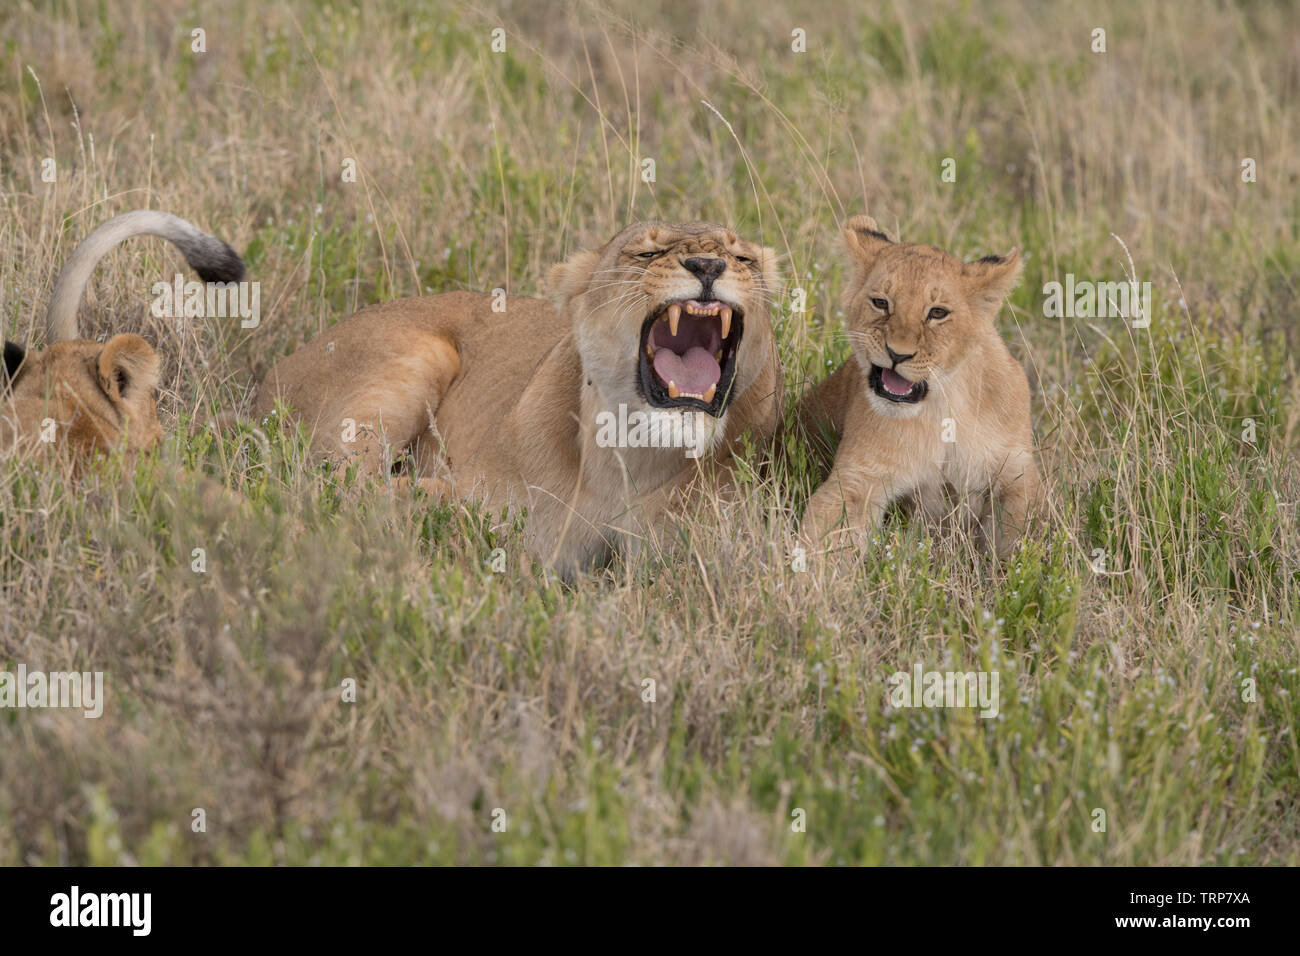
[
  {"x": 641, "y": 270},
  {"x": 611, "y": 285},
  {"x": 619, "y": 303}
]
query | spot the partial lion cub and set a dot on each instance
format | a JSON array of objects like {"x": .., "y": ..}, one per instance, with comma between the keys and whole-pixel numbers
[
  {"x": 88, "y": 396},
  {"x": 931, "y": 405},
  {"x": 660, "y": 337}
]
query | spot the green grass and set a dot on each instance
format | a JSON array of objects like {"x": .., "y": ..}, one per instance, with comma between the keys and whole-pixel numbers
[{"x": 1158, "y": 686}]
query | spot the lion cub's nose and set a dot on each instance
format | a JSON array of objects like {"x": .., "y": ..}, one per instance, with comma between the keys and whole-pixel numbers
[
  {"x": 705, "y": 268},
  {"x": 896, "y": 358}
]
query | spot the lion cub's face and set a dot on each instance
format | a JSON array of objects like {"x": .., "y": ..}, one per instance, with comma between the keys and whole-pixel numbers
[
  {"x": 670, "y": 318},
  {"x": 915, "y": 313},
  {"x": 97, "y": 395}
]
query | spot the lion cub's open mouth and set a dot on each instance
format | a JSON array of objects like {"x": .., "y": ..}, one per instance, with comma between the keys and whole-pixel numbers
[
  {"x": 688, "y": 354},
  {"x": 887, "y": 383}
]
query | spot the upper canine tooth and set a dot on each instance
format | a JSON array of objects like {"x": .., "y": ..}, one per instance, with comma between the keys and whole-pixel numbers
[
  {"x": 726, "y": 321},
  {"x": 708, "y": 396},
  {"x": 672, "y": 389},
  {"x": 674, "y": 316}
]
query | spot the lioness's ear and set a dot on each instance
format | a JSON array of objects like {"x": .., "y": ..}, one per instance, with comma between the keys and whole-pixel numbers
[
  {"x": 990, "y": 279},
  {"x": 127, "y": 365},
  {"x": 864, "y": 239},
  {"x": 572, "y": 276}
]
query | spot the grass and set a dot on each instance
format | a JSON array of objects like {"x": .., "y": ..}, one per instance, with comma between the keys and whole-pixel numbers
[{"x": 1145, "y": 634}]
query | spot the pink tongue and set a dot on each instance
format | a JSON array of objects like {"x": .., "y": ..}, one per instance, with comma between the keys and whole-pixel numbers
[
  {"x": 894, "y": 382},
  {"x": 693, "y": 372}
]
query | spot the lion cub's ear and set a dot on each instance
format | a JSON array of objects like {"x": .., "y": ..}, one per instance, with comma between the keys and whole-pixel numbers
[
  {"x": 571, "y": 277},
  {"x": 990, "y": 279},
  {"x": 127, "y": 366},
  {"x": 865, "y": 239}
]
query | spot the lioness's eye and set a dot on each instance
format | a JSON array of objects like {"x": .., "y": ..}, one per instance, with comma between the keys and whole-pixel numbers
[
  {"x": 647, "y": 255},
  {"x": 937, "y": 313},
  {"x": 881, "y": 304},
  {"x": 745, "y": 259}
]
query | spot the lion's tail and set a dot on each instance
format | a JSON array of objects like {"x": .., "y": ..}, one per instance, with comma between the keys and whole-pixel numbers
[{"x": 209, "y": 256}]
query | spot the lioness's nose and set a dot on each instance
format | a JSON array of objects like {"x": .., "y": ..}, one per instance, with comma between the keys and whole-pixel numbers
[{"x": 705, "y": 268}]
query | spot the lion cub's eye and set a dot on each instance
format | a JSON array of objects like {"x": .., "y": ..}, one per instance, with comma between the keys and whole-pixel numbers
[
  {"x": 648, "y": 255},
  {"x": 937, "y": 313},
  {"x": 745, "y": 259},
  {"x": 881, "y": 304}
]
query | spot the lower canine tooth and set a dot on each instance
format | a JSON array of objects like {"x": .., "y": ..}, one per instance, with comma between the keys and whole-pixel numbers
[
  {"x": 674, "y": 316},
  {"x": 672, "y": 389},
  {"x": 708, "y": 396},
  {"x": 717, "y": 356},
  {"x": 649, "y": 351},
  {"x": 726, "y": 321}
]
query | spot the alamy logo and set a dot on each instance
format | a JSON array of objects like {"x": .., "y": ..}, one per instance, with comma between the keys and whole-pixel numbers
[
  {"x": 638, "y": 429},
  {"x": 81, "y": 691},
  {"x": 133, "y": 910},
  {"x": 1083, "y": 299},
  {"x": 208, "y": 300},
  {"x": 924, "y": 688}
]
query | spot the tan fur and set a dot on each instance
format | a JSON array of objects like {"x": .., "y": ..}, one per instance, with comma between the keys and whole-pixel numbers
[
  {"x": 96, "y": 395},
  {"x": 976, "y": 391},
  {"x": 501, "y": 406}
]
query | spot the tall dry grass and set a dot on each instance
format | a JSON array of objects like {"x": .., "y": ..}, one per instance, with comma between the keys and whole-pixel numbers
[{"x": 1122, "y": 687}]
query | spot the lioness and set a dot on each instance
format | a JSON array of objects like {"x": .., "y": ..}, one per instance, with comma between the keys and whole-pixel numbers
[
  {"x": 931, "y": 405},
  {"x": 665, "y": 325},
  {"x": 83, "y": 395}
]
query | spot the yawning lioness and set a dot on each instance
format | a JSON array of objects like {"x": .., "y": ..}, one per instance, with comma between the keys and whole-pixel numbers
[{"x": 666, "y": 325}]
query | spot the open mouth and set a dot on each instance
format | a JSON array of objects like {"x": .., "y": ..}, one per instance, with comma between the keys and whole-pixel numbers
[
  {"x": 688, "y": 354},
  {"x": 887, "y": 383}
]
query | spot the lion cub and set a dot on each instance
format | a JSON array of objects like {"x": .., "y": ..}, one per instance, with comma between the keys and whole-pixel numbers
[
  {"x": 931, "y": 406},
  {"x": 87, "y": 396}
]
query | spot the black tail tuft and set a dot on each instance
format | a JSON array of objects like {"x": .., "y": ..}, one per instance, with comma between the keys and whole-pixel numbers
[{"x": 215, "y": 261}]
